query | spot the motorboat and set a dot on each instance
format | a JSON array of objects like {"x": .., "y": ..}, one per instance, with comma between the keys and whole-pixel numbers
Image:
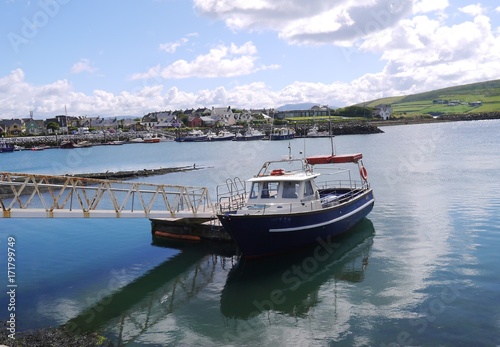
[
  {"x": 222, "y": 135},
  {"x": 282, "y": 134},
  {"x": 192, "y": 136},
  {"x": 249, "y": 135},
  {"x": 6, "y": 147},
  {"x": 292, "y": 203}
]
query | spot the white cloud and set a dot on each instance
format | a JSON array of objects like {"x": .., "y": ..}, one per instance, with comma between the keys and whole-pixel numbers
[
  {"x": 152, "y": 73},
  {"x": 221, "y": 61},
  {"x": 427, "y": 6},
  {"x": 312, "y": 22},
  {"x": 424, "y": 54},
  {"x": 473, "y": 10},
  {"x": 248, "y": 48},
  {"x": 83, "y": 66},
  {"x": 171, "y": 47}
]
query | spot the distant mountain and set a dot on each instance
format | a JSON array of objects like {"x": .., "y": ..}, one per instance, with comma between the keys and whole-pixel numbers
[{"x": 295, "y": 107}]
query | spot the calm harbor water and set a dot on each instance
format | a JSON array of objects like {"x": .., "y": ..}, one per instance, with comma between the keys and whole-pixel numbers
[{"x": 421, "y": 270}]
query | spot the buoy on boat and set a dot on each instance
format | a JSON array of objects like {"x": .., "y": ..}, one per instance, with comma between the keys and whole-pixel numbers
[
  {"x": 277, "y": 172},
  {"x": 363, "y": 173}
]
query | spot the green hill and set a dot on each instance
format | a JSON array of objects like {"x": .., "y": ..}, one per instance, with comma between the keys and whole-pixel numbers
[{"x": 439, "y": 101}]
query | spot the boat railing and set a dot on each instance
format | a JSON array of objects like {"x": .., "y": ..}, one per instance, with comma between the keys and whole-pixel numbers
[
  {"x": 285, "y": 165},
  {"x": 333, "y": 198},
  {"x": 342, "y": 184},
  {"x": 231, "y": 196}
]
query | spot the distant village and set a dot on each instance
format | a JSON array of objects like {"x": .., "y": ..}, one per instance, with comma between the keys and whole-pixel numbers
[{"x": 157, "y": 121}]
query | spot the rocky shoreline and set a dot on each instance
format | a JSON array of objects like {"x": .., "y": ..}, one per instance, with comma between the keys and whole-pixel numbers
[
  {"x": 51, "y": 337},
  {"x": 438, "y": 118},
  {"x": 340, "y": 128},
  {"x": 471, "y": 116},
  {"x": 53, "y": 141}
]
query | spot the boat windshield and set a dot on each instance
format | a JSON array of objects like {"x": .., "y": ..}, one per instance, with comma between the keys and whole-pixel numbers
[
  {"x": 308, "y": 189},
  {"x": 264, "y": 190},
  {"x": 254, "y": 191},
  {"x": 290, "y": 190},
  {"x": 278, "y": 189}
]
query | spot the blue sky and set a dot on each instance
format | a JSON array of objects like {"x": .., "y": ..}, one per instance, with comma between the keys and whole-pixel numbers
[{"x": 131, "y": 57}]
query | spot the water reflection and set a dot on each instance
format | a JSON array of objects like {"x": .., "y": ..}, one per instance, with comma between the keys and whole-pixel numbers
[
  {"x": 129, "y": 312},
  {"x": 162, "y": 306},
  {"x": 290, "y": 284}
]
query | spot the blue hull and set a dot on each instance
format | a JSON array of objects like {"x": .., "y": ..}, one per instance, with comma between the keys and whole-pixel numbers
[
  {"x": 221, "y": 138},
  {"x": 281, "y": 137},
  {"x": 265, "y": 235},
  {"x": 7, "y": 149},
  {"x": 191, "y": 139},
  {"x": 248, "y": 138}
]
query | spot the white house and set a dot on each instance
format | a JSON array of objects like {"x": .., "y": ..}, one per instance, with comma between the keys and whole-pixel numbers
[
  {"x": 383, "y": 111},
  {"x": 223, "y": 114}
]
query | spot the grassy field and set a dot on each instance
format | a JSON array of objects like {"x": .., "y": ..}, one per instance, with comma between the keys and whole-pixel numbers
[
  {"x": 420, "y": 104},
  {"x": 324, "y": 119}
]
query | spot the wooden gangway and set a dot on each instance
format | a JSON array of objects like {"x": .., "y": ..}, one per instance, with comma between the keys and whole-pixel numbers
[{"x": 33, "y": 195}]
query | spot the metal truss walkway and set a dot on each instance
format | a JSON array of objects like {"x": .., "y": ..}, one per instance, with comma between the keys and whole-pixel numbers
[{"x": 34, "y": 195}]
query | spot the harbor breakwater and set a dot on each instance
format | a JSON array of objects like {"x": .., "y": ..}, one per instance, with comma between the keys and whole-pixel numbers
[
  {"x": 341, "y": 128},
  {"x": 54, "y": 141},
  {"x": 301, "y": 130}
]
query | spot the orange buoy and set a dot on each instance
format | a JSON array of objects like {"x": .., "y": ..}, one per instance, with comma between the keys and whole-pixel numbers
[{"x": 277, "y": 172}]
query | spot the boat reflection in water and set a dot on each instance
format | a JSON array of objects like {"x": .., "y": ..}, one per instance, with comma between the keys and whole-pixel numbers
[
  {"x": 290, "y": 283},
  {"x": 125, "y": 313},
  {"x": 162, "y": 307}
]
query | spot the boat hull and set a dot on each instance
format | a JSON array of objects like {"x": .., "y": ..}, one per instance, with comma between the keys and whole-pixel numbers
[
  {"x": 221, "y": 138},
  {"x": 191, "y": 139},
  {"x": 266, "y": 235},
  {"x": 275, "y": 137},
  {"x": 7, "y": 149},
  {"x": 249, "y": 138}
]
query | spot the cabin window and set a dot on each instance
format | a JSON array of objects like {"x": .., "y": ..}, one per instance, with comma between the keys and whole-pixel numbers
[
  {"x": 290, "y": 190},
  {"x": 254, "y": 192},
  {"x": 269, "y": 190},
  {"x": 308, "y": 189}
]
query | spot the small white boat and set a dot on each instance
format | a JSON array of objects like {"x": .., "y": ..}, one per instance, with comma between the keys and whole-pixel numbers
[
  {"x": 222, "y": 135},
  {"x": 282, "y": 134},
  {"x": 137, "y": 140},
  {"x": 115, "y": 143},
  {"x": 150, "y": 138},
  {"x": 193, "y": 136},
  {"x": 314, "y": 132},
  {"x": 250, "y": 135}
]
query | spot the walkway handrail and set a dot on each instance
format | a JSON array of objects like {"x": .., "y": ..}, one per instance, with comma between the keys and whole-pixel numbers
[{"x": 35, "y": 195}]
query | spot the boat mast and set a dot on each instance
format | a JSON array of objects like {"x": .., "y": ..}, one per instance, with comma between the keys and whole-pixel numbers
[
  {"x": 66, "y": 119},
  {"x": 330, "y": 130}
]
